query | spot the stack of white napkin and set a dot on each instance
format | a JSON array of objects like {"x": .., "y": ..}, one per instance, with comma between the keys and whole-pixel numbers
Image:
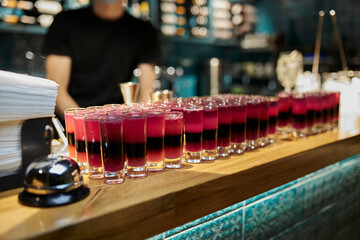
[{"x": 22, "y": 97}]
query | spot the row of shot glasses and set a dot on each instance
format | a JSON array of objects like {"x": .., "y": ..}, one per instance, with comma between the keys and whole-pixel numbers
[{"x": 114, "y": 141}]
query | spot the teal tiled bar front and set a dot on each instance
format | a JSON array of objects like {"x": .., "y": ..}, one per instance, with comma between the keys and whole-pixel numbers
[{"x": 322, "y": 205}]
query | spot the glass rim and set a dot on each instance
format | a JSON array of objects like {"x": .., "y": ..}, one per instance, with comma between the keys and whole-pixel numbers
[
  {"x": 174, "y": 114},
  {"x": 71, "y": 110}
]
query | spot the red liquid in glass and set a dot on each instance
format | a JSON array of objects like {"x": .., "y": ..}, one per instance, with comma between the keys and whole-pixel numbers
[
  {"x": 92, "y": 135},
  {"x": 210, "y": 129},
  {"x": 299, "y": 112},
  {"x": 174, "y": 129},
  {"x": 193, "y": 130},
  {"x": 112, "y": 146},
  {"x": 80, "y": 140},
  {"x": 264, "y": 119},
  {"x": 155, "y": 137},
  {"x": 135, "y": 141},
  {"x": 224, "y": 119},
  {"x": 273, "y": 117},
  {"x": 238, "y": 121},
  {"x": 252, "y": 120}
]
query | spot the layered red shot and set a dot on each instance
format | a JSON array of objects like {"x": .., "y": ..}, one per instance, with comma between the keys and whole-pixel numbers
[
  {"x": 252, "y": 122},
  {"x": 174, "y": 129},
  {"x": 273, "y": 115},
  {"x": 299, "y": 114},
  {"x": 193, "y": 130},
  {"x": 80, "y": 145},
  {"x": 210, "y": 116},
  {"x": 284, "y": 111},
  {"x": 113, "y": 155},
  {"x": 155, "y": 139},
  {"x": 69, "y": 126},
  {"x": 134, "y": 130},
  {"x": 224, "y": 125},
  {"x": 264, "y": 122}
]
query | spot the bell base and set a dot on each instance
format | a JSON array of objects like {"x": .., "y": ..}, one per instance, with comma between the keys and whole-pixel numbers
[{"x": 53, "y": 200}]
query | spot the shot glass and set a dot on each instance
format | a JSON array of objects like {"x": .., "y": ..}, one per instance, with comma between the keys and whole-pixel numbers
[
  {"x": 174, "y": 133},
  {"x": 273, "y": 118},
  {"x": 193, "y": 117},
  {"x": 326, "y": 110},
  {"x": 134, "y": 130},
  {"x": 210, "y": 117},
  {"x": 112, "y": 148},
  {"x": 155, "y": 127},
  {"x": 238, "y": 125},
  {"x": 80, "y": 146},
  {"x": 252, "y": 122},
  {"x": 224, "y": 126},
  {"x": 284, "y": 113},
  {"x": 264, "y": 122},
  {"x": 69, "y": 126},
  {"x": 310, "y": 113},
  {"x": 318, "y": 112},
  {"x": 92, "y": 141},
  {"x": 336, "y": 107},
  {"x": 299, "y": 114}
]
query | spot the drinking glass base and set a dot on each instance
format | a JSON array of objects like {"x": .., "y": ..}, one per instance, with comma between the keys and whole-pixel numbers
[
  {"x": 209, "y": 155},
  {"x": 96, "y": 172},
  {"x": 114, "y": 177},
  {"x": 237, "y": 148},
  {"x": 271, "y": 139},
  {"x": 155, "y": 166},
  {"x": 83, "y": 167},
  {"x": 262, "y": 142},
  {"x": 251, "y": 145},
  {"x": 136, "y": 172},
  {"x": 223, "y": 151},
  {"x": 174, "y": 163},
  {"x": 193, "y": 157},
  {"x": 297, "y": 133}
]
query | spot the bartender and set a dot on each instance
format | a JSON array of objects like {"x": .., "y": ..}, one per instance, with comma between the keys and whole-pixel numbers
[{"x": 89, "y": 51}]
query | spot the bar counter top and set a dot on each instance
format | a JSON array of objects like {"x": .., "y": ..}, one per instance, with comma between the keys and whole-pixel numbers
[{"x": 138, "y": 209}]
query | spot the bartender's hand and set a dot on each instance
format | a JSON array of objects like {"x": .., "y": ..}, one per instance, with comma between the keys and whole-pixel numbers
[
  {"x": 146, "y": 81},
  {"x": 58, "y": 69}
]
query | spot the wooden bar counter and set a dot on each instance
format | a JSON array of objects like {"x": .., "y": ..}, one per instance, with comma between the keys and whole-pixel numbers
[{"x": 138, "y": 209}]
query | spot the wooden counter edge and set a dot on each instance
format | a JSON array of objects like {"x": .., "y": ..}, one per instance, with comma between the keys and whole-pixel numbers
[{"x": 158, "y": 215}]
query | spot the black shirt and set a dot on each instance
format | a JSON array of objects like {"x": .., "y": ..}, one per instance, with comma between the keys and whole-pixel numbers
[{"x": 104, "y": 53}]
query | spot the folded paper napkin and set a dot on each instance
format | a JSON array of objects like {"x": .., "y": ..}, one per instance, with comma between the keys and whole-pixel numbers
[{"x": 22, "y": 97}]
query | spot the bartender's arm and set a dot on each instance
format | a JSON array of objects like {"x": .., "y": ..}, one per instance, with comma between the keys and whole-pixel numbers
[
  {"x": 146, "y": 81},
  {"x": 58, "y": 69}
]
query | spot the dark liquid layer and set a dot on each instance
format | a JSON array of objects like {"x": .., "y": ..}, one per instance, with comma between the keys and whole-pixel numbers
[
  {"x": 283, "y": 118},
  {"x": 264, "y": 125},
  {"x": 310, "y": 117},
  {"x": 224, "y": 131},
  {"x": 238, "y": 132},
  {"x": 173, "y": 141},
  {"x": 209, "y": 139},
  {"x": 80, "y": 146},
  {"x": 193, "y": 137},
  {"x": 318, "y": 116},
  {"x": 209, "y": 135},
  {"x": 135, "y": 150},
  {"x": 71, "y": 138},
  {"x": 113, "y": 156},
  {"x": 93, "y": 147},
  {"x": 155, "y": 144},
  {"x": 193, "y": 141},
  {"x": 325, "y": 115},
  {"x": 252, "y": 128},
  {"x": 273, "y": 120},
  {"x": 299, "y": 121}
]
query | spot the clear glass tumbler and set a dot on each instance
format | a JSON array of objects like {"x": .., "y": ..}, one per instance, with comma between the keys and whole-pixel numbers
[
  {"x": 174, "y": 133},
  {"x": 134, "y": 130},
  {"x": 193, "y": 118},
  {"x": 112, "y": 148}
]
